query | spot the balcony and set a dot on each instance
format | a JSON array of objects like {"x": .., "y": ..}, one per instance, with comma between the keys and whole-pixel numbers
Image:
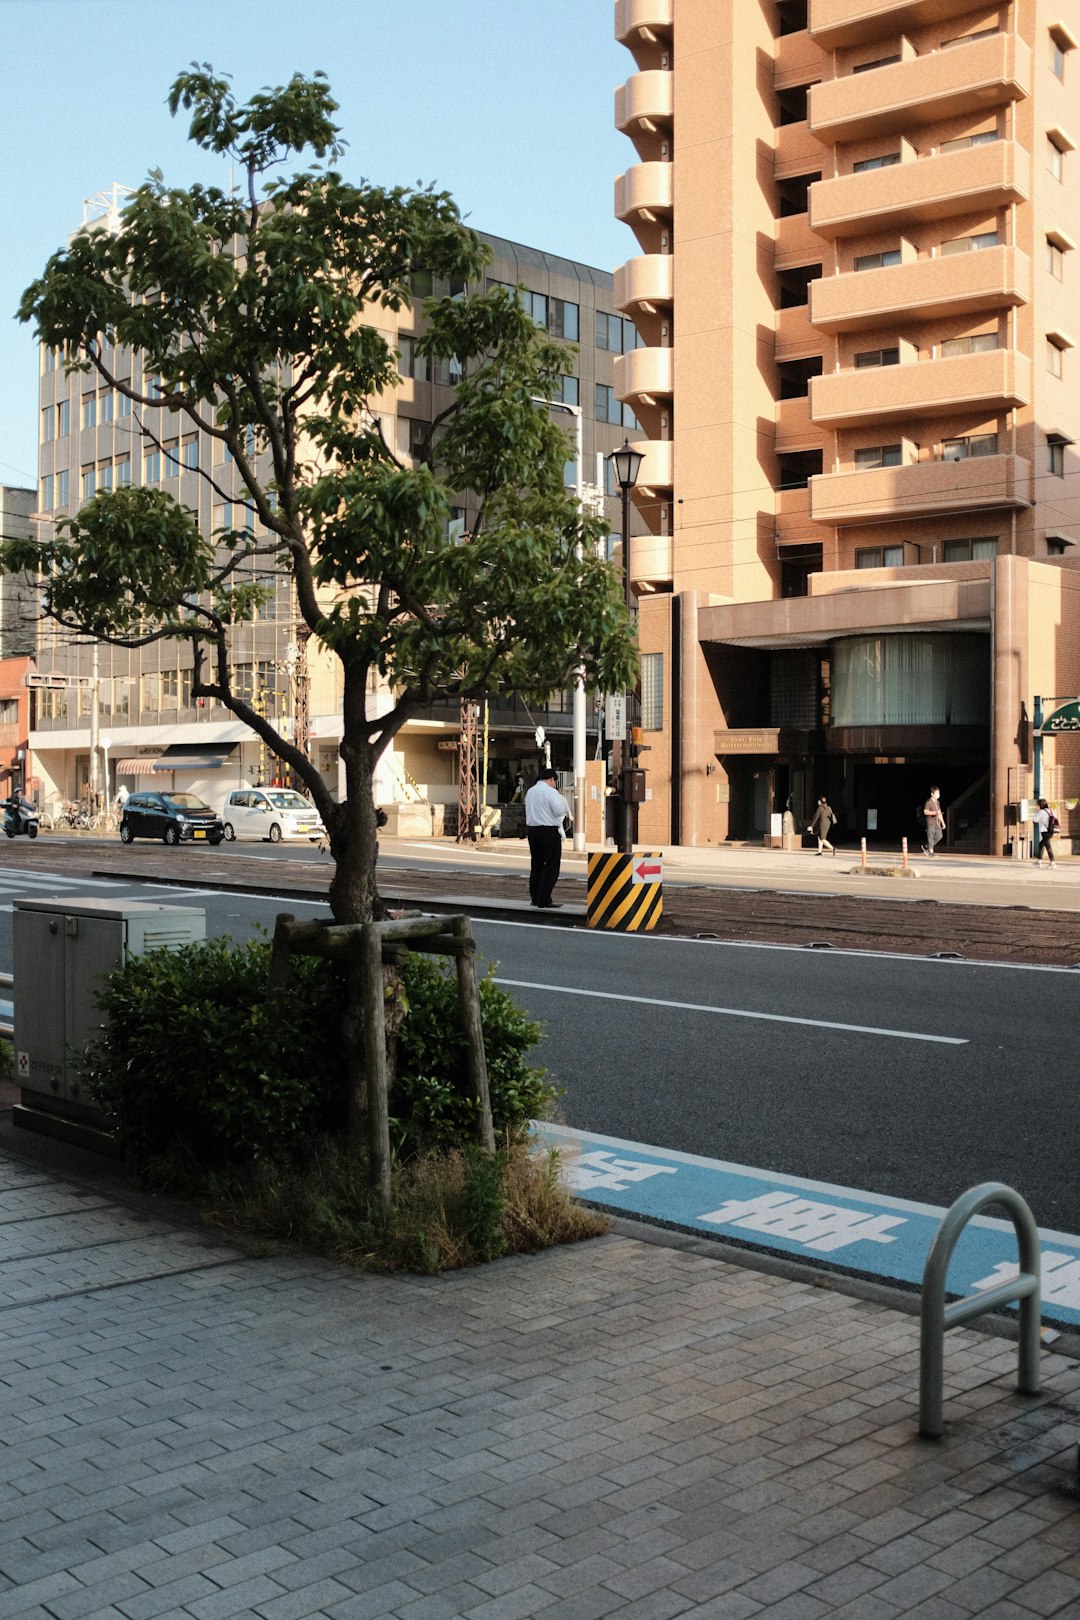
[
  {"x": 795, "y": 241},
  {"x": 835, "y": 24},
  {"x": 644, "y": 192},
  {"x": 977, "y": 180},
  {"x": 645, "y": 103},
  {"x": 657, "y": 470},
  {"x": 644, "y": 284},
  {"x": 644, "y": 376},
  {"x": 969, "y": 79},
  {"x": 642, "y": 20},
  {"x": 994, "y": 381},
  {"x": 924, "y": 489},
  {"x": 650, "y": 560},
  {"x": 959, "y": 284}
]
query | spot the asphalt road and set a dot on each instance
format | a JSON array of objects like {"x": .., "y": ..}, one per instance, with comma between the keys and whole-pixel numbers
[{"x": 893, "y": 1075}]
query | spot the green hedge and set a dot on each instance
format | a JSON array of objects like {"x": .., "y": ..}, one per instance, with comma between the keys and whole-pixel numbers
[{"x": 198, "y": 1071}]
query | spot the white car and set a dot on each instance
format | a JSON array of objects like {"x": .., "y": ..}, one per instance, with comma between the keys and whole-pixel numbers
[{"x": 270, "y": 813}]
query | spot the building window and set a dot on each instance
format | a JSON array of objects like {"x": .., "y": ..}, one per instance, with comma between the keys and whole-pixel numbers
[
  {"x": 1055, "y": 158},
  {"x": 616, "y": 335},
  {"x": 150, "y": 693},
  {"x": 104, "y": 475},
  {"x": 879, "y": 557},
  {"x": 172, "y": 459},
  {"x": 48, "y": 493},
  {"x": 89, "y": 410},
  {"x": 1057, "y": 59},
  {"x": 962, "y": 142},
  {"x": 969, "y": 244},
  {"x": 878, "y": 261},
  {"x": 1055, "y": 358},
  {"x": 612, "y": 410},
  {"x": 880, "y": 455},
  {"x": 62, "y": 490},
  {"x": 1056, "y": 546},
  {"x": 563, "y": 319},
  {"x": 885, "y": 161},
  {"x": 794, "y": 285},
  {"x": 48, "y": 424},
  {"x": 1055, "y": 454},
  {"x": 176, "y": 688},
  {"x": 877, "y": 357},
  {"x": 63, "y": 418},
  {"x": 973, "y": 444},
  {"x": 152, "y": 467},
  {"x": 1055, "y": 260},
  {"x": 123, "y": 472},
  {"x": 410, "y": 364},
  {"x": 879, "y": 61},
  {"x": 412, "y": 437},
  {"x": 190, "y": 456},
  {"x": 966, "y": 39},
  {"x": 652, "y": 691},
  {"x": 970, "y": 550},
  {"x": 106, "y": 406},
  {"x": 123, "y": 404},
  {"x": 978, "y": 343},
  {"x": 793, "y": 193},
  {"x": 50, "y": 359},
  {"x": 89, "y": 482}
]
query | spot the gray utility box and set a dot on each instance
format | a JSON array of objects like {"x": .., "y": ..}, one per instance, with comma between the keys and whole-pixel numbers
[{"x": 63, "y": 950}]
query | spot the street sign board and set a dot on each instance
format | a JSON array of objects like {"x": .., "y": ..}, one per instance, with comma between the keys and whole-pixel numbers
[
  {"x": 647, "y": 869},
  {"x": 615, "y": 717}
]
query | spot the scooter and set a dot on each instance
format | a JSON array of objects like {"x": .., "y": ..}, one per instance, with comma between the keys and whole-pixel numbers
[{"x": 19, "y": 819}]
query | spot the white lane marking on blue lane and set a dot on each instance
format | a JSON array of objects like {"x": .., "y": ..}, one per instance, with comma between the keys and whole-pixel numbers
[
  {"x": 739, "y": 1012},
  {"x": 856, "y": 1231}
]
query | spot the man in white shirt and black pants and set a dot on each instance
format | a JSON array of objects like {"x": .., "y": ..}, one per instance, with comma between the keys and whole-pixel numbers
[{"x": 545, "y": 812}]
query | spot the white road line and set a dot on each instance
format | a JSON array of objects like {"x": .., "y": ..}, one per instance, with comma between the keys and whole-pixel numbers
[
  {"x": 739, "y": 1012},
  {"x": 12, "y": 876}
]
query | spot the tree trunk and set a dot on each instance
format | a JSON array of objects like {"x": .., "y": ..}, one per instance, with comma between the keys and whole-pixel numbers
[{"x": 354, "y": 898}]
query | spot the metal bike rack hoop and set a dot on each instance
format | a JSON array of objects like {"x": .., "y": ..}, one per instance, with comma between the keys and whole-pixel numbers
[{"x": 937, "y": 1317}]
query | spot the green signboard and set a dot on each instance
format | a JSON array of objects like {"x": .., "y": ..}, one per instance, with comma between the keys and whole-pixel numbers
[{"x": 1067, "y": 718}]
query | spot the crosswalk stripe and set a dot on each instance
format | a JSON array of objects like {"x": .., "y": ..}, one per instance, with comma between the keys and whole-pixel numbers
[{"x": 14, "y": 880}]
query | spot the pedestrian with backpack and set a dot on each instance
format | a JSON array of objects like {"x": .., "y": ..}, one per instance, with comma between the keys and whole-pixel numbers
[{"x": 1047, "y": 825}]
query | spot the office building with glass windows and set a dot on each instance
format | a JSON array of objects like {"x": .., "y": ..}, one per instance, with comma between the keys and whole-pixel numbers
[
  {"x": 859, "y": 388},
  {"x": 150, "y": 727}
]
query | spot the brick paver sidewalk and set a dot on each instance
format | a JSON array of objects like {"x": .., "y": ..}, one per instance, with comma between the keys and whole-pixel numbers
[{"x": 617, "y": 1429}]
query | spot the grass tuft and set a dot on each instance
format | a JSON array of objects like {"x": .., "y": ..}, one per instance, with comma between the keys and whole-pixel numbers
[{"x": 451, "y": 1208}]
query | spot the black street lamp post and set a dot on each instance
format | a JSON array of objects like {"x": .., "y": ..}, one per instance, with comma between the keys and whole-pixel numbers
[{"x": 627, "y": 464}]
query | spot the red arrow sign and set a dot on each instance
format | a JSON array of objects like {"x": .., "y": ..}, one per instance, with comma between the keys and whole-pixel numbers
[{"x": 647, "y": 871}]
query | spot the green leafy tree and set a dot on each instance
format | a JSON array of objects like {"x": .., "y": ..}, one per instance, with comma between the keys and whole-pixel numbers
[{"x": 252, "y": 312}]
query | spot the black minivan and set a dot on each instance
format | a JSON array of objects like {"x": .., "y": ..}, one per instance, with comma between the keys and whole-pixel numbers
[{"x": 173, "y": 817}]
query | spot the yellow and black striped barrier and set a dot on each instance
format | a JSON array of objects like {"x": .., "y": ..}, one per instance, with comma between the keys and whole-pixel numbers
[{"x": 625, "y": 892}]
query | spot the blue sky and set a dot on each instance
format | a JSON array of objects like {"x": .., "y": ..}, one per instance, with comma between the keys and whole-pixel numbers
[{"x": 505, "y": 103}]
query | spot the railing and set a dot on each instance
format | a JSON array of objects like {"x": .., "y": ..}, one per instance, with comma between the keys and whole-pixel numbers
[{"x": 937, "y": 1317}]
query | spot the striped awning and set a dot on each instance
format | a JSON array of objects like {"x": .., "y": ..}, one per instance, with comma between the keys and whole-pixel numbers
[{"x": 142, "y": 766}]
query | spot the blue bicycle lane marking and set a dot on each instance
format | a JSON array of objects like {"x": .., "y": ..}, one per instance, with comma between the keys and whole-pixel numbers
[{"x": 853, "y": 1231}]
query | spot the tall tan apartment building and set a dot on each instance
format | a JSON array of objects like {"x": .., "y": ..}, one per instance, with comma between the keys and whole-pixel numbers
[{"x": 857, "y": 290}]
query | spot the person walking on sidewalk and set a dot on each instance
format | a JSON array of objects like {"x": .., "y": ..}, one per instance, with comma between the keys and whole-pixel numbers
[
  {"x": 821, "y": 825},
  {"x": 1046, "y": 825},
  {"x": 545, "y": 812},
  {"x": 934, "y": 816}
]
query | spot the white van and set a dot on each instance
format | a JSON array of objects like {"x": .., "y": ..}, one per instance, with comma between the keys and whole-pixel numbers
[{"x": 270, "y": 813}]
